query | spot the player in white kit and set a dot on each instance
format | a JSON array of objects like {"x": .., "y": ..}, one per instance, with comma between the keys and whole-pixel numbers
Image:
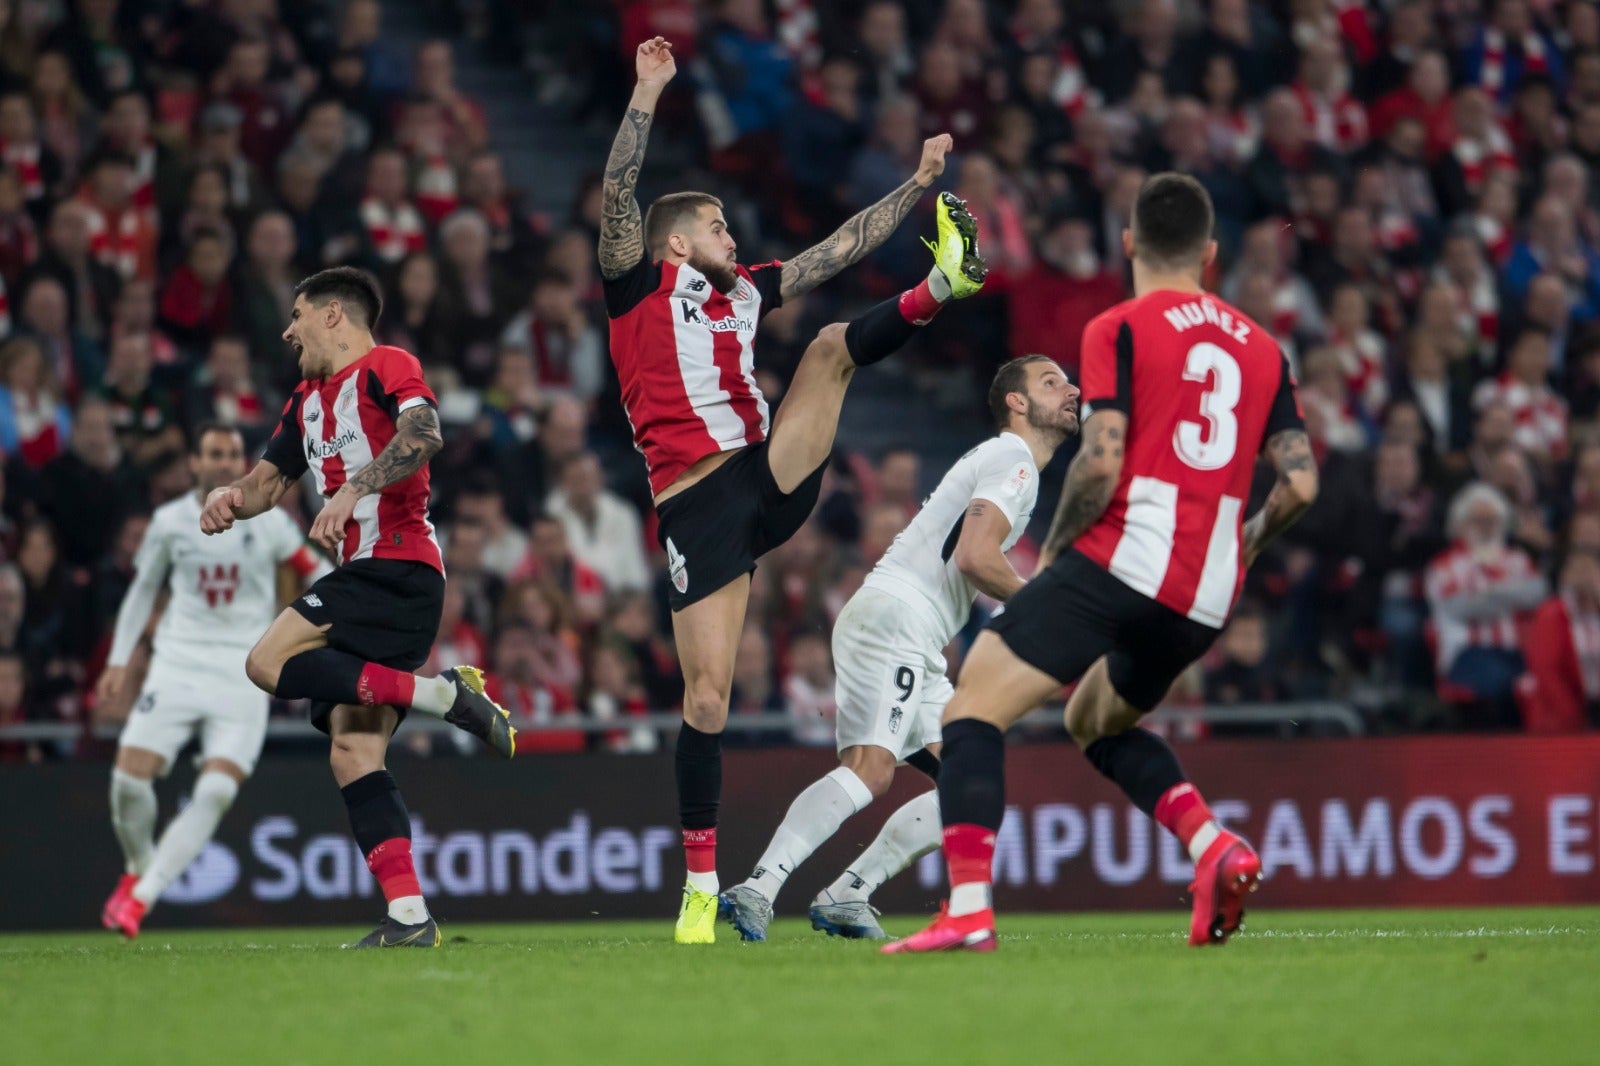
[
  {"x": 222, "y": 594},
  {"x": 888, "y": 650}
]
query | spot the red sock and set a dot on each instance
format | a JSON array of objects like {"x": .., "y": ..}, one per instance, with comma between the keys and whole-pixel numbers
[
  {"x": 390, "y": 862},
  {"x": 919, "y": 305},
  {"x": 969, "y": 850},
  {"x": 380, "y": 684},
  {"x": 1182, "y": 811},
  {"x": 700, "y": 850}
]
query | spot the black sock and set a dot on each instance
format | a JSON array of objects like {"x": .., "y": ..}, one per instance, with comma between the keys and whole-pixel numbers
[
  {"x": 926, "y": 761},
  {"x": 1141, "y": 763},
  {"x": 972, "y": 767},
  {"x": 699, "y": 765},
  {"x": 377, "y": 813},
  {"x": 878, "y": 334},
  {"x": 321, "y": 674}
]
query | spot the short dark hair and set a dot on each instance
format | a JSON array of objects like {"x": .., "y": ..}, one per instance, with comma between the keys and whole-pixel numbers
[
  {"x": 213, "y": 426},
  {"x": 1011, "y": 377},
  {"x": 1172, "y": 220},
  {"x": 351, "y": 286},
  {"x": 668, "y": 213}
]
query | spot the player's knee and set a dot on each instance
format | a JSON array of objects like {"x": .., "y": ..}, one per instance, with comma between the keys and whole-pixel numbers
[
  {"x": 877, "y": 776},
  {"x": 216, "y": 791},
  {"x": 706, "y": 708},
  {"x": 352, "y": 756},
  {"x": 830, "y": 344},
  {"x": 262, "y": 668}
]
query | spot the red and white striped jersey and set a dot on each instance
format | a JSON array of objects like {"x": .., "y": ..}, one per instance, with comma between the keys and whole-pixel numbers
[
  {"x": 1203, "y": 387},
  {"x": 1477, "y": 603},
  {"x": 1540, "y": 414},
  {"x": 685, "y": 358},
  {"x": 336, "y": 425}
]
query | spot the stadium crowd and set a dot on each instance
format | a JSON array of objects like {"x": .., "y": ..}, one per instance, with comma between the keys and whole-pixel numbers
[{"x": 1405, "y": 198}]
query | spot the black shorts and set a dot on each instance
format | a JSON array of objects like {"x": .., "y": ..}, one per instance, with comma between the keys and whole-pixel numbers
[
  {"x": 1075, "y": 612},
  {"x": 385, "y": 611},
  {"x": 716, "y": 529}
]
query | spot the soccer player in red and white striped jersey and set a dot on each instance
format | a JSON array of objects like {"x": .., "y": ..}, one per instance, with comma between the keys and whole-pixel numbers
[
  {"x": 363, "y": 423},
  {"x": 1142, "y": 565},
  {"x": 731, "y": 480}
]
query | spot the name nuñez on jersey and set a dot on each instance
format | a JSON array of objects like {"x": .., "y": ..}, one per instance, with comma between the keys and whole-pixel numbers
[{"x": 1200, "y": 312}]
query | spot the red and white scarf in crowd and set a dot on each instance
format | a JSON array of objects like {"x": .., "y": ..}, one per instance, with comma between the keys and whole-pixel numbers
[
  {"x": 1361, "y": 358},
  {"x": 5, "y": 310},
  {"x": 1493, "y": 73},
  {"x": 436, "y": 191},
  {"x": 1495, "y": 235},
  {"x": 1480, "y": 158},
  {"x": 1285, "y": 304},
  {"x": 1480, "y": 306},
  {"x": 23, "y": 161},
  {"x": 1356, "y": 26},
  {"x": 1070, "y": 89},
  {"x": 394, "y": 233},
  {"x": 114, "y": 242},
  {"x": 798, "y": 34},
  {"x": 1338, "y": 122},
  {"x": 144, "y": 179}
]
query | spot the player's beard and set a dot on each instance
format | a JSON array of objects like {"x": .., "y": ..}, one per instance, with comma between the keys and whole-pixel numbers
[
  {"x": 1052, "y": 421},
  {"x": 722, "y": 275}
]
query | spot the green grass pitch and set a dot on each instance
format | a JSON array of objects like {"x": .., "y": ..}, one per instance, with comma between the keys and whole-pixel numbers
[{"x": 1489, "y": 986}]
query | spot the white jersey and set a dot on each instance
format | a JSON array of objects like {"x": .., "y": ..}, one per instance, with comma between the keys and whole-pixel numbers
[
  {"x": 223, "y": 589},
  {"x": 920, "y": 565}
]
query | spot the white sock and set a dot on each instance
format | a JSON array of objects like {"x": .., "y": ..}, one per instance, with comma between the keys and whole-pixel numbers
[
  {"x": 910, "y": 833},
  {"x": 408, "y": 910},
  {"x": 814, "y": 816},
  {"x": 133, "y": 816},
  {"x": 1202, "y": 839},
  {"x": 433, "y": 696},
  {"x": 187, "y": 834},
  {"x": 705, "y": 882},
  {"x": 939, "y": 285},
  {"x": 970, "y": 898}
]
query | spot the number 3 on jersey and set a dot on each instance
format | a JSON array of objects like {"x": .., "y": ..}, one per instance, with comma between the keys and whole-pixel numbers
[{"x": 1211, "y": 446}]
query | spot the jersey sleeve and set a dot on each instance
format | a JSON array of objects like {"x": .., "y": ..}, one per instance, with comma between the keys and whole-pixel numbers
[
  {"x": 768, "y": 280},
  {"x": 285, "y": 450},
  {"x": 627, "y": 291},
  {"x": 151, "y": 565},
  {"x": 1009, "y": 481},
  {"x": 1286, "y": 412},
  {"x": 398, "y": 384},
  {"x": 1106, "y": 365}
]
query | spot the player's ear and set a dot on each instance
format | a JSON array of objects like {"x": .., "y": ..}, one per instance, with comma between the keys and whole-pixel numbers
[
  {"x": 1127, "y": 243},
  {"x": 1210, "y": 256},
  {"x": 332, "y": 313}
]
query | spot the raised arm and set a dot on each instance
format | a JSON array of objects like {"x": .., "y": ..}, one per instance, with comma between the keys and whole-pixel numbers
[
  {"x": 1091, "y": 482},
  {"x": 256, "y": 493},
  {"x": 866, "y": 229},
  {"x": 417, "y": 439},
  {"x": 1293, "y": 493},
  {"x": 621, "y": 227}
]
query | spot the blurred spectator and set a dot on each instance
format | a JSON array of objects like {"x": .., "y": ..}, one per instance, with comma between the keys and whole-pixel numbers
[
  {"x": 361, "y": 30},
  {"x": 550, "y": 559},
  {"x": 603, "y": 530},
  {"x": 512, "y": 241},
  {"x": 949, "y": 101},
  {"x": 476, "y": 297},
  {"x": 1334, "y": 119},
  {"x": 885, "y": 50},
  {"x": 265, "y": 289},
  {"x": 324, "y": 136},
  {"x": 135, "y": 313},
  {"x": 415, "y": 318},
  {"x": 1524, "y": 389},
  {"x": 754, "y": 691},
  {"x": 143, "y": 413},
  {"x": 615, "y": 693},
  {"x": 1441, "y": 397},
  {"x": 1476, "y": 590},
  {"x": 808, "y": 690},
  {"x": 75, "y": 360},
  {"x": 633, "y": 620},
  {"x": 481, "y": 503},
  {"x": 820, "y": 138},
  {"x": 1508, "y": 49},
  {"x": 66, "y": 120},
  {"x": 542, "y": 608},
  {"x": 1286, "y": 157},
  {"x": 1244, "y": 674},
  {"x": 517, "y": 685},
  {"x": 197, "y": 303},
  {"x": 90, "y": 487},
  {"x": 1560, "y": 693},
  {"x": 13, "y": 694},
  {"x": 224, "y": 390},
  {"x": 35, "y": 421},
  {"x": 465, "y": 126},
  {"x": 122, "y": 235},
  {"x": 243, "y": 82},
  {"x": 1150, "y": 45},
  {"x": 219, "y": 146},
  {"x": 568, "y": 356},
  {"x": 1066, "y": 287},
  {"x": 36, "y": 167}
]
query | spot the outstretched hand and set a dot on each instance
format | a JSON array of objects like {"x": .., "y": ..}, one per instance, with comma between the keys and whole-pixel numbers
[
  {"x": 933, "y": 153},
  {"x": 218, "y": 513},
  {"x": 654, "y": 63}
]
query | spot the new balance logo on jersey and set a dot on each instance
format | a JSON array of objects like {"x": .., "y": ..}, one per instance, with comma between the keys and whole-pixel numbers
[
  {"x": 677, "y": 568},
  {"x": 697, "y": 285},
  {"x": 327, "y": 449},
  {"x": 219, "y": 583},
  {"x": 312, "y": 416},
  {"x": 311, "y": 599}
]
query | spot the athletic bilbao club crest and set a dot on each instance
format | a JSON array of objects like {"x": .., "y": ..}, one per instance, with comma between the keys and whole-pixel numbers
[
  {"x": 218, "y": 583},
  {"x": 677, "y": 568}
]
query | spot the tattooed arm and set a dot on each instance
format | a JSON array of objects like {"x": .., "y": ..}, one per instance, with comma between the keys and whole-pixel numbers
[
  {"x": 256, "y": 493},
  {"x": 978, "y": 553},
  {"x": 1091, "y": 480},
  {"x": 621, "y": 227},
  {"x": 416, "y": 440},
  {"x": 865, "y": 230},
  {"x": 1294, "y": 492}
]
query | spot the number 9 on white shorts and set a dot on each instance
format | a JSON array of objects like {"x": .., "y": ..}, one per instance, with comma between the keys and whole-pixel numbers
[{"x": 890, "y": 665}]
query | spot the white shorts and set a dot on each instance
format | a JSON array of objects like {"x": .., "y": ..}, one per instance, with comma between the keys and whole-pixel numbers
[
  {"x": 890, "y": 667},
  {"x": 229, "y": 716}
]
